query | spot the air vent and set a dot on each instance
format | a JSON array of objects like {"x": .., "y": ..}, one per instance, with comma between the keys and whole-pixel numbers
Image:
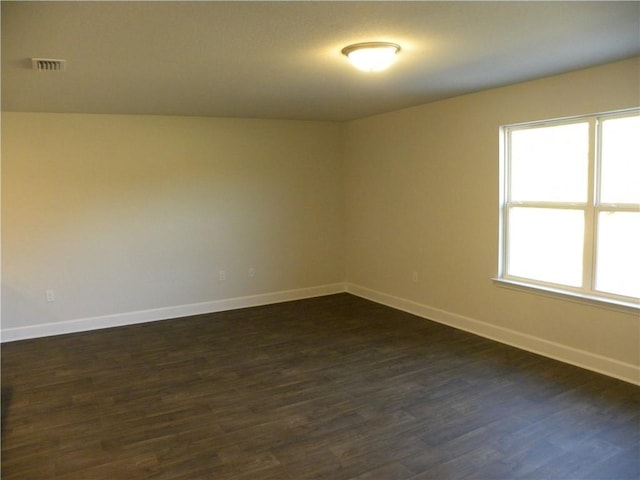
[{"x": 48, "y": 64}]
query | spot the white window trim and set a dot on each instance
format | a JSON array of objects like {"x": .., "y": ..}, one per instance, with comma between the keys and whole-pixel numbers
[
  {"x": 575, "y": 297},
  {"x": 585, "y": 294}
]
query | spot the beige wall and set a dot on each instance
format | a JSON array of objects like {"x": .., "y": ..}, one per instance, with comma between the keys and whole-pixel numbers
[
  {"x": 126, "y": 213},
  {"x": 120, "y": 214},
  {"x": 422, "y": 195}
]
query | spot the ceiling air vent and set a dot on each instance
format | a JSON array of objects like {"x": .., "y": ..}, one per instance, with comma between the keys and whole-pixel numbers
[{"x": 48, "y": 64}]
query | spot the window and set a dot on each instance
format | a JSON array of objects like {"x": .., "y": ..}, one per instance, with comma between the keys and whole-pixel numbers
[{"x": 570, "y": 206}]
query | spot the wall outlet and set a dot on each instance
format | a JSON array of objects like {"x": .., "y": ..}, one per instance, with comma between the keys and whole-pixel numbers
[
  {"x": 222, "y": 275},
  {"x": 415, "y": 277},
  {"x": 252, "y": 272},
  {"x": 50, "y": 295}
]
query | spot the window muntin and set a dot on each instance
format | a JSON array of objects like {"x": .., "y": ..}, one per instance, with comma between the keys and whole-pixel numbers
[{"x": 570, "y": 205}]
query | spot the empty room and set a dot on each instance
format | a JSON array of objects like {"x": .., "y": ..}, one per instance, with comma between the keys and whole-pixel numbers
[{"x": 320, "y": 240}]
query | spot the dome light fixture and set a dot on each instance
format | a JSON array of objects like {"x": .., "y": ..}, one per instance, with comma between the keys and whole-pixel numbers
[{"x": 371, "y": 56}]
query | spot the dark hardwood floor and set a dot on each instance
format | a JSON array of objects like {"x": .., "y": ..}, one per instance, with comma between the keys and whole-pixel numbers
[{"x": 329, "y": 388}]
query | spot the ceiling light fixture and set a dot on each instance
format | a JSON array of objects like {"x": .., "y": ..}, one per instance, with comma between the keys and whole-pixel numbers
[{"x": 371, "y": 56}]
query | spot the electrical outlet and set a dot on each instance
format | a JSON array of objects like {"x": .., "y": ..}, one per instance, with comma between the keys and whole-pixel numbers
[
  {"x": 252, "y": 272},
  {"x": 415, "y": 277},
  {"x": 50, "y": 296},
  {"x": 222, "y": 275}
]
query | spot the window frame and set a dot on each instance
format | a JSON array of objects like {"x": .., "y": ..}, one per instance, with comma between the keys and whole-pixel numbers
[{"x": 592, "y": 207}]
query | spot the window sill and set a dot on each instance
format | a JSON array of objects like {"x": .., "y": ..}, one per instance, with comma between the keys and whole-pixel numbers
[{"x": 600, "y": 302}]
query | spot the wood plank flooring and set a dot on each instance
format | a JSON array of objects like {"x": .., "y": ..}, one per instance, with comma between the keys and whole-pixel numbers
[{"x": 329, "y": 388}]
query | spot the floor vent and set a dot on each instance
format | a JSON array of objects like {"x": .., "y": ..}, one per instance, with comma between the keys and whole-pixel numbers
[{"x": 48, "y": 64}]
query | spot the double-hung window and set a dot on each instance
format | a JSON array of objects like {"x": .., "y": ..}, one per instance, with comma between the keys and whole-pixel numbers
[{"x": 570, "y": 206}]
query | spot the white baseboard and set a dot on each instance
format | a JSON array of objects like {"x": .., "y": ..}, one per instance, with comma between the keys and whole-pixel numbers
[
  {"x": 165, "y": 313},
  {"x": 607, "y": 366},
  {"x": 581, "y": 358}
]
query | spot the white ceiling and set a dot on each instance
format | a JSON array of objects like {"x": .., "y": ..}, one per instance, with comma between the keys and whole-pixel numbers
[{"x": 283, "y": 60}]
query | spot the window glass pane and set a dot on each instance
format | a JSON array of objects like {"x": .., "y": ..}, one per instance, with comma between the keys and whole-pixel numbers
[
  {"x": 618, "y": 253},
  {"x": 546, "y": 244},
  {"x": 550, "y": 163},
  {"x": 620, "y": 160}
]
